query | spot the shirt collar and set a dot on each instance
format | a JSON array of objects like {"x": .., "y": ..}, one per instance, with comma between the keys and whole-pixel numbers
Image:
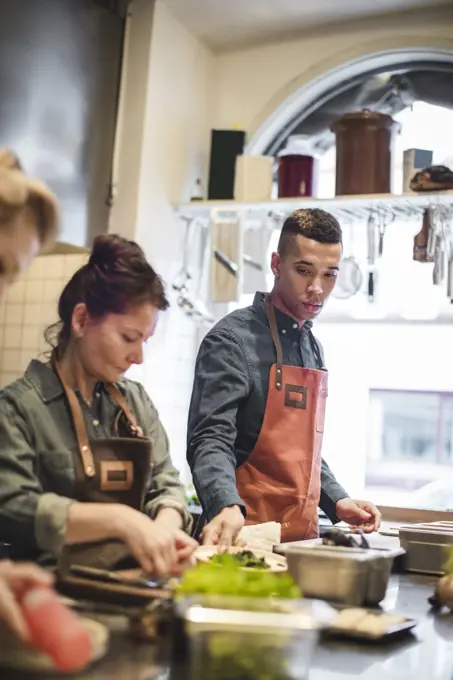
[
  {"x": 47, "y": 383},
  {"x": 285, "y": 324}
]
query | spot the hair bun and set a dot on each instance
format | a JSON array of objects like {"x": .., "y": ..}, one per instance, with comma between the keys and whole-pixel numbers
[
  {"x": 14, "y": 189},
  {"x": 111, "y": 251}
]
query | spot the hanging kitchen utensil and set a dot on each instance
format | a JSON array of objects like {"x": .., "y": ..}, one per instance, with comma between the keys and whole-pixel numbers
[
  {"x": 232, "y": 266},
  {"x": 445, "y": 218},
  {"x": 424, "y": 241},
  {"x": 450, "y": 277},
  {"x": 250, "y": 262},
  {"x": 371, "y": 285},
  {"x": 439, "y": 261},
  {"x": 385, "y": 218},
  {"x": 183, "y": 277},
  {"x": 227, "y": 250},
  {"x": 372, "y": 243},
  {"x": 350, "y": 277},
  {"x": 192, "y": 307}
]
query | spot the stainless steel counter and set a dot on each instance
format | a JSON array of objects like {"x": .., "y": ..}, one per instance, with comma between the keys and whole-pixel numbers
[{"x": 426, "y": 656}]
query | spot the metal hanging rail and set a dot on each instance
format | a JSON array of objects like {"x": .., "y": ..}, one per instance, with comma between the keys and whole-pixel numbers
[{"x": 349, "y": 208}]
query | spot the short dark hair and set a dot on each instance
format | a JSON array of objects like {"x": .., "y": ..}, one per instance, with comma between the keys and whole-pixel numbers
[
  {"x": 117, "y": 277},
  {"x": 313, "y": 223}
]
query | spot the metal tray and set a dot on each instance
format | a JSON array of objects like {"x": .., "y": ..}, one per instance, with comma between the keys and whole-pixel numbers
[
  {"x": 353, "y": 576},
  {"x": 393, "y": 632},
  {"x": 426, "y": 546}
]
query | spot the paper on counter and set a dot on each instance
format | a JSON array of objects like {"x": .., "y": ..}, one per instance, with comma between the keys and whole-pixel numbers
[{"x": 261, "y": 536}]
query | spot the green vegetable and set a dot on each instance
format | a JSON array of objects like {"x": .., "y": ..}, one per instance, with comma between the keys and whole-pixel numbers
[
  {"x": 231, "y": 657},
  {"x": 244, "y": 559},
  {"x": 191, "y": 496},
  {"x": 231, "y": 579}
]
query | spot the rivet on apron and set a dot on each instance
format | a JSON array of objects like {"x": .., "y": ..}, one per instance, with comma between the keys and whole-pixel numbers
[{"x": 279, "y": 384}]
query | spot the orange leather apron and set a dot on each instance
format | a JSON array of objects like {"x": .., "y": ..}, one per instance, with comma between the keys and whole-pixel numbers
[{"x": 281, "y": 479}]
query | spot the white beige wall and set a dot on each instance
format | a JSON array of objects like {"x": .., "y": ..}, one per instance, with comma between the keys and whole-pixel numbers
[
  {"x": 251, "y": 83},
  {"x": 162, "y": 148}
]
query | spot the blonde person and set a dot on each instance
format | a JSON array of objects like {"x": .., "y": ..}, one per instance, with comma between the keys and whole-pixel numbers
[
  {"x": 107, "y": 310},
  {"x": 28, "y": 223}
]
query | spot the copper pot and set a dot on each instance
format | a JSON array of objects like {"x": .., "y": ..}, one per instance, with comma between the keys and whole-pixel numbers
[{"x": 364, "y": 141}]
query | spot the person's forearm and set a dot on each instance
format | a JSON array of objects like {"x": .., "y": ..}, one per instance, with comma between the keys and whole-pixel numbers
[
  {"x": 331, "y": 492},
  {"x": 171, "y": 517},
  {"x": 91, "y": 522},
  {"x": 217, "y": 494}
]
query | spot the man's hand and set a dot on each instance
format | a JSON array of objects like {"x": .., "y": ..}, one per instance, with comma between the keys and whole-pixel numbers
[
  {"x": 224, "y": 528},
  {"x": 359, "y": 514}
]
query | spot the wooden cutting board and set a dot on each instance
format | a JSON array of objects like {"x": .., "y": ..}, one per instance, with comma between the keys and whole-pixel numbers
[{"x": 276, "y": 563}]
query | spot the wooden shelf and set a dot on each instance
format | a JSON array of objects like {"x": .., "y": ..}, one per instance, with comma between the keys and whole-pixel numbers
[{"x": 351, "y": 208}]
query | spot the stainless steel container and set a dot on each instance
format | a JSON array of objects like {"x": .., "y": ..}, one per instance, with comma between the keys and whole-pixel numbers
[
  {"x": 427, "y": 546},
  {"x": 352, "y": 576},
  {"x": 225, "y": 638}
]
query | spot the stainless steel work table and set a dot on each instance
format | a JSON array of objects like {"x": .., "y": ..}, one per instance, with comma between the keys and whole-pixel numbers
[{"x": 427, "y": 656}]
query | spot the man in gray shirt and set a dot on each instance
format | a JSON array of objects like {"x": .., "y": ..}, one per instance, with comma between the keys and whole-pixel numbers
[{"x": 256, "y": 418}]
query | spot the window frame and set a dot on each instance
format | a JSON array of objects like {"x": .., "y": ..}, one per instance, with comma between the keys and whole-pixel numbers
[{"x": 444, "y": 397}]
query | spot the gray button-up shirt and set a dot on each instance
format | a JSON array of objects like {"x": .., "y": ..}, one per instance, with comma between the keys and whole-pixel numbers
[
  {"x": 36, "y": 464},
  {"x": 229, "y": 399}
]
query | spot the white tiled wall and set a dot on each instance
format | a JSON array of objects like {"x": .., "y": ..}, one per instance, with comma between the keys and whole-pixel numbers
[
  {"x": 28, "y": 308},
  {"x": 168, "y": 376}
]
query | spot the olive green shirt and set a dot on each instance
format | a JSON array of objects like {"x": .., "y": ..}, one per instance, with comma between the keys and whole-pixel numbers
[{"x": 37, "y": 475}]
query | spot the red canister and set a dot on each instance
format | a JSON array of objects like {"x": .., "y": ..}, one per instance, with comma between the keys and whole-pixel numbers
[{"x": 295, "y": 175}]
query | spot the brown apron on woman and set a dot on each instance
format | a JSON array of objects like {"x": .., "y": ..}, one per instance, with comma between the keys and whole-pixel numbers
[
  {"x": 111, "y": 470},
  {"x": 281, "y": 479}
]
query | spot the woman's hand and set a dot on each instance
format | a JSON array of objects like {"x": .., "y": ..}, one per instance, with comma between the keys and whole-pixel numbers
[
  {"x": 171, "y": 520},
  {"x": 15, "y": 581},
  {"x": 160, "y": 550}
]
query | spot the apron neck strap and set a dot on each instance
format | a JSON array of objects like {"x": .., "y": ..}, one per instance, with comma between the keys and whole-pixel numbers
[
  {"x": 78, "y": 420},
  {"x": 119, "y": 398},
  {"x": 276, "y": 340},
  {"x": 270, "y": 310}
]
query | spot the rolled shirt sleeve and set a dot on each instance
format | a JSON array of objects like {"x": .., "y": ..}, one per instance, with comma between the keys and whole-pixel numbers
[
  {"x": 28, "y": 516},
  {"x": 221, "y": 382},
  {"x": 331, "y": 493}
]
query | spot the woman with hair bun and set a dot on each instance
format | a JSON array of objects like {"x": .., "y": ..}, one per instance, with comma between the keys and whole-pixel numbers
[{"x": 85, "y": 470}]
